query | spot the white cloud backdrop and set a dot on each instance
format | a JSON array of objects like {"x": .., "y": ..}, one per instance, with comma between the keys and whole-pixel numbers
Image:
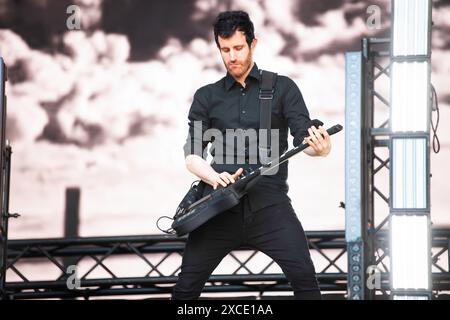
[{"x": 87, "y": 115}]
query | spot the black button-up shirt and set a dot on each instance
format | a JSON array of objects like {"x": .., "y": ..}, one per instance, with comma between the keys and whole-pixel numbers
[{"x": 226, "y": 104}]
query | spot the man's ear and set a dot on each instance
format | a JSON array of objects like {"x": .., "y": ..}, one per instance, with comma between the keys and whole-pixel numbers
[{"x": 254, "y": 43}]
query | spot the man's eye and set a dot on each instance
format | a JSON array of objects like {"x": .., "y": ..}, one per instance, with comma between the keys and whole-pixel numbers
[{"x": 239, "y": 48}]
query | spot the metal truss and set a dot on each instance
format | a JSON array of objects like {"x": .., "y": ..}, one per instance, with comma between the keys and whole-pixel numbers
[
  {"x": 160, "y": 257},
  {"x": 4, "y": 212},
  {"x": 376, "y": 71},
  {"x": 367, "y": 159},
  {"x": 367, "y": 174},
  {"x": 376, "y": 103}
]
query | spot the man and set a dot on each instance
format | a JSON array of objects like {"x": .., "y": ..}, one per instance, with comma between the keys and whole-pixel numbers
[{"x": 264, "y": 219}]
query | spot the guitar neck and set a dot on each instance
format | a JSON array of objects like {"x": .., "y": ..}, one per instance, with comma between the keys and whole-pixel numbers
[{"x": 249, "y": 180}]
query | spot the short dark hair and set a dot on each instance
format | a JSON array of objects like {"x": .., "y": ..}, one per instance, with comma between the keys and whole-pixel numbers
[{"x": 228, "y": 22}]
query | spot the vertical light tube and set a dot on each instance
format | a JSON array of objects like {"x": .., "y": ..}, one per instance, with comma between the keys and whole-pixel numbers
[
  {"x": 409, "y": 96},
  {"x": 410, "y": 27},
  {"x": 409, "y": 252},
  {"x": 409, "y": 169},
  {"x": 409, "y": 120}
]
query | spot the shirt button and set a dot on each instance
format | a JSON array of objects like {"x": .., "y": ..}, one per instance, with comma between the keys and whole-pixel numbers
[{"x": 243, "y": 111}]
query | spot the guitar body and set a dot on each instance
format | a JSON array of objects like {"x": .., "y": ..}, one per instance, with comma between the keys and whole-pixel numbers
[{"x": 205, "y": 209}]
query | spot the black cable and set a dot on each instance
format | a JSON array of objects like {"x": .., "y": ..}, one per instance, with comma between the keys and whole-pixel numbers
[
  {"x": 179, "y": 210},
  {"x": 436, "y": 143},
  {"x": 168, "y": 231}
]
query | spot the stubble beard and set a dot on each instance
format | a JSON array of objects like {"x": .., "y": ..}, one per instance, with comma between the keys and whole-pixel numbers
[{"x": 246, "y": 66}]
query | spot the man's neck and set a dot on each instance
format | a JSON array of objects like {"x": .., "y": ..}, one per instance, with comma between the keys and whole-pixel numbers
[{"x": 241, "y": 80}]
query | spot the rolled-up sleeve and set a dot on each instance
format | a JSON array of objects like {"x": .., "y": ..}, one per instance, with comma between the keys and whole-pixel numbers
[
  {"x": 198, "y": 123},
  {"x": 296, "y": 113}
]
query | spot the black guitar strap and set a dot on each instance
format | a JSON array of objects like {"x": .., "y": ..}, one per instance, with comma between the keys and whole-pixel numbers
[{"x": 266, "y": 90}]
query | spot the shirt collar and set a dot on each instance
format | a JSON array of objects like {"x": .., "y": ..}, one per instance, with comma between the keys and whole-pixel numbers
[{"x": 230, "y": 81}]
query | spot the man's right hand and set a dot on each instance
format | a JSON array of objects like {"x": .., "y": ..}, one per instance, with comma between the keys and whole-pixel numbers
[{"x": 225, "y": 178}]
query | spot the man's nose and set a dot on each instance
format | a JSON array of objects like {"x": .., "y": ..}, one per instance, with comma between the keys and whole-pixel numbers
[{"x": 232, "y": 55}]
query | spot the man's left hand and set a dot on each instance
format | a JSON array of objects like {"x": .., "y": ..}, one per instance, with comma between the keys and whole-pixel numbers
[{"x": 319, "y": 140}]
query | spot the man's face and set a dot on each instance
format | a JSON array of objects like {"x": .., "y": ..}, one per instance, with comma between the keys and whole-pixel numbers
[{"x": 236, "y": 54}]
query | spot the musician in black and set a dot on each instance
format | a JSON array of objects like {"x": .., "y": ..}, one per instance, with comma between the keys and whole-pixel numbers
[{"x": 264, "y": 219}]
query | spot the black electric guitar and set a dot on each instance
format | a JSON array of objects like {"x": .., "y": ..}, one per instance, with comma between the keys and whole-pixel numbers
[{"x": 192, "y": 213}]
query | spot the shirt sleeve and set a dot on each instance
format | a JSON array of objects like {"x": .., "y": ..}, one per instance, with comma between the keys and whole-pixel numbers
[
  {"x": 198, "y": 123},
  {"x": 296, "y": 113}
]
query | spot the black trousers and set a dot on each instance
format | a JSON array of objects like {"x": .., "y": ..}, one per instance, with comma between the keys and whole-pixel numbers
[{"x": 274, "y": 230}]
